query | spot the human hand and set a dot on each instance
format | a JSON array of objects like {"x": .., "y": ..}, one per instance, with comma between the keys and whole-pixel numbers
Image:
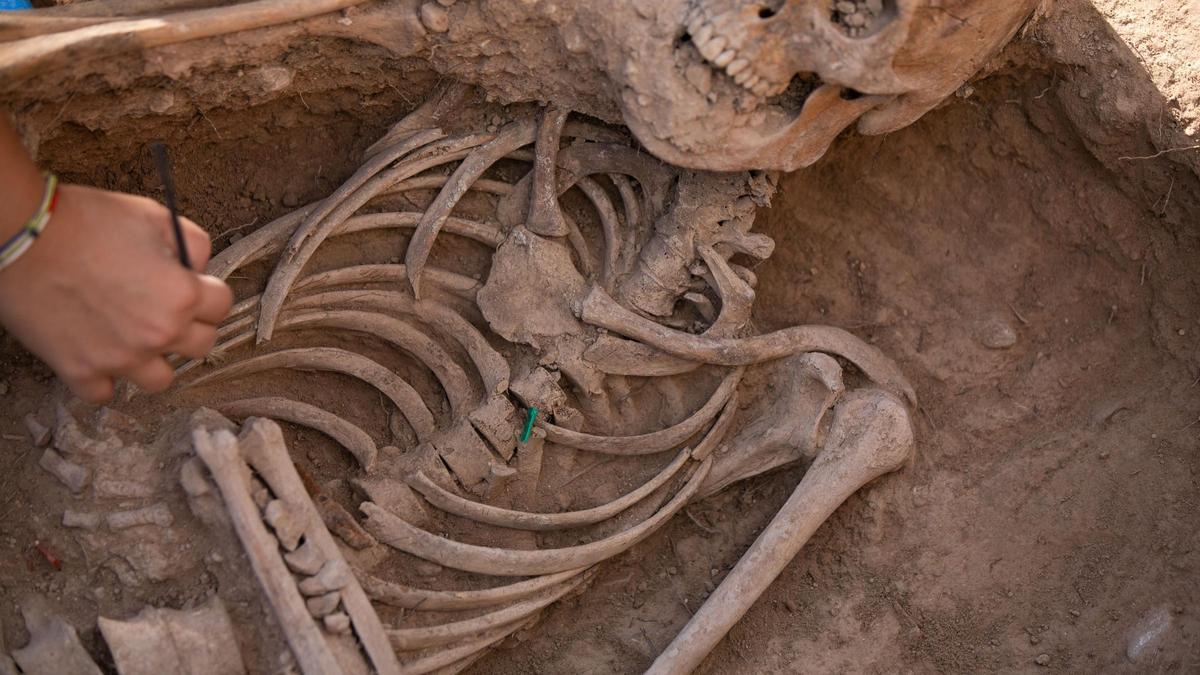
[{"x": 101, "y": 294}]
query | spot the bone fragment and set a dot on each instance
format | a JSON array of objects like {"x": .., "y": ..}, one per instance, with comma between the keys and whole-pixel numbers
[
  {"x": 871, "y": 435},
  {"x": 655, "y": 441},
  {"x": 54, "y": 646},
  {"x": 191, "y": 477},
  {"x": 288, "y": 529},
  {"x": 157, "y": 514},
  {"x": 402, "y": 395},
  {"x": 264, "y": 447},
  {"x": 522, "y": 520},
  {"x": 70, "y": 474},
  {"x": 495, "y": 421},
  {"x": 409, "y": 639},
  {"x": 80, "y": 519},
  {"x": 39, "y": 433},
  {"x": 394, "y": 496},
  {"x": 333, "y": 576},
  {"x": 306, "y": 560},
  {"x": 323, "y": 605},
  {"x": 510, "y": 138},
  {"x": 219, "y": 450},
  {"x": 341, "y": 523},
  {"x": 421, "y": 599},
  {"x": 349, "y": 436},
  {"x": 23, "y": 58},
  {"x": 506, "y": 562},
  {"x": 197, "y": 641},
  {"x": 337, "y": 623},
  {"x": 599, "y": 309},
  {"x": 545, "y": 214}
]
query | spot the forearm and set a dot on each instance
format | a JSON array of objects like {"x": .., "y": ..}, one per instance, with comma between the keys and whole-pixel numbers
[{"x": 21, "y": 183}]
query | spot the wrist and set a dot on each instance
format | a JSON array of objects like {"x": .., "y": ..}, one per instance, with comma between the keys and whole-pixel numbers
[{"x": 21, "y": 184}]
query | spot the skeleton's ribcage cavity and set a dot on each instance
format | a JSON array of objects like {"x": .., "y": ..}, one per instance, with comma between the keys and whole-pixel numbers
[{"x": 460, "y": 284}]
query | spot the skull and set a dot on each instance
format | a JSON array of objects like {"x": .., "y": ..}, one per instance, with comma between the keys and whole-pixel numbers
[{"x": 785, "y": 77}]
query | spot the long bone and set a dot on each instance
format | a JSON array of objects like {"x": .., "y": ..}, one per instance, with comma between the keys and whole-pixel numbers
[
  {"x": 219, "y": 451},
  {"x": 21, "y": 58},
  {"x": 396, "y": 332},
  {"x": 422, "y": 599},
  {"x": 304, "y": 244},
  {"x": 409, "y": 639},
  {"x": 524, "y": 520},
  {"x": 510, "y": 138},
  {"x": 655, "y": 441},
  {"x": 545, "y": 214},
  {"x": 398, "y": 534},
  {"x": 349, "y": 436},
  {"x": 599, "y": 309},
  {"x": 870, "y": 436},
  {"x": 618, "y": 356},
  {"x": 399, "y": 392},
  {"x": 265, "y": 450}
]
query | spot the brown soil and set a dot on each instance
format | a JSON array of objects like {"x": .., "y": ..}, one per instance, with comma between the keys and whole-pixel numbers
[{"x": 1049, "y": 517}]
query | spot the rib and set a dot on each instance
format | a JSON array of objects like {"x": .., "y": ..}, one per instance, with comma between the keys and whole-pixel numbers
[
  {"x": 599, "y": 309},
  {"x": 608, "y": 224},
  {"x": 348, "y": 435},
  {"x": 523, "y": 520},
  {"x": 450, "y": 658},
  {"x": 655, "y": 441},
  {"x": 410, "y": 639},
  {"x": 401, "y": 393},
  {"x": 396, "y": 332},
  {"x": 270, "y": 239},
  {"x": 493, "y": 368},
  {"x": 512, "y": 137},
  {"x": 398, "y": 534},
  {"x": 435, "y": 182},
  {"x": 398, "y": 595},
  {"x": 303, "y": 245}
]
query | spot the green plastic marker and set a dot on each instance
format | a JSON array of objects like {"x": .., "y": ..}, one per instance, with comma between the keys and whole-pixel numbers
[{"x": 529, "y": 420}]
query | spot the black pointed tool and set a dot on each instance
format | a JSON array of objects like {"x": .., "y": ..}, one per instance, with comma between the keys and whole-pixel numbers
[{"x": 164, "y": 173}]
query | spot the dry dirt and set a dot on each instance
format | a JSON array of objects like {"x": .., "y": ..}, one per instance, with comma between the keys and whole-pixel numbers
[{"x": 1050, "y": 517}]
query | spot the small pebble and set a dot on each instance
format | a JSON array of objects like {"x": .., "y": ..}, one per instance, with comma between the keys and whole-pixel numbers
[
  {"x": 435, "y": 17},
  {"x": 1042, "y": 660},
  {"x": 789, "y": 606},
  {"x": 846, "y": 7},
  {"x": 996, "y": 333}
]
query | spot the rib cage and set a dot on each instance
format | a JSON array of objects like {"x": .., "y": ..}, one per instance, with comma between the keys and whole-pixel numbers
[{"x": 494, "y": 513}]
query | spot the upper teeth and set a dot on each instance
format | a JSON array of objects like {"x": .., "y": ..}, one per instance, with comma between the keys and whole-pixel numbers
[{"x": 713, "y": 48}]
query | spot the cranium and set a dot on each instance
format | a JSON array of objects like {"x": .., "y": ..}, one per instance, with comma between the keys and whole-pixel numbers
[{"x": 790, "y": 75}]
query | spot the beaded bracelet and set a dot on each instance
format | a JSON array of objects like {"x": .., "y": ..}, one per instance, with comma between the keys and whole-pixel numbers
[{"x": 24, "y": 238}]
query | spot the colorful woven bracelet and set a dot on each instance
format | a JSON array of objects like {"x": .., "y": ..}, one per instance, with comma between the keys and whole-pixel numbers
[{"x": 21, "y": 241}]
